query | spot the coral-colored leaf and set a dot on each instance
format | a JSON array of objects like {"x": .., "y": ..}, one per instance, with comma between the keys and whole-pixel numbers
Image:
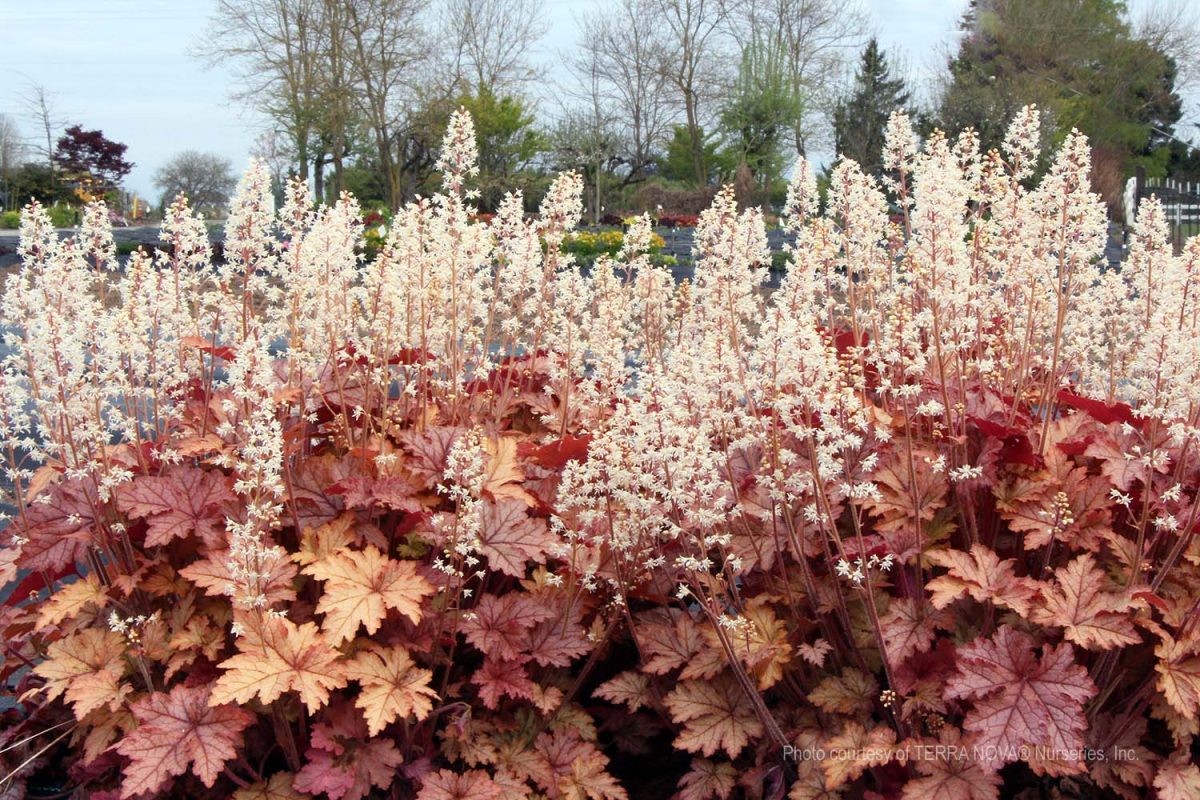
[
  {"x": 556, "y": 454},
  {"x": 1023, "y": 701},
  {"x": 343, "y": 762},
  {"x": 981, "y": 574},
  {"x": 576, "y": 768},
  {"x": 58, "y": 530},
  {"x": 908, "y": 626},
  {"x": 498, "y": 678},
  {"x": 503, "y": 475},
  {"x": 178, "y": 729},
  {"x": 510, "y": 537},
  {"x": 715, "y": 715},
  {"x": 393, "y": 687},
  {"x": 1090, "y": 617},
  {"x": 184, "y": 501},
  {"x": 1096, "y": 409},
  {"x": 474, "y": 784},
  {"x": 278, "y": 656},
  {"x": 360, "y": 587},
  {"x": 669, "y": 638},
  {"x": 497, "y": 623},
  {"x": 950, "y": 772}
]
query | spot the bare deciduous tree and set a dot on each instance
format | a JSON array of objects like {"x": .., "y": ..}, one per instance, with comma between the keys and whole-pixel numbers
[
  {"x": 621, "y": 60},
  {"x": 40, "y": 108},
  {"x": 492, "y": 41},
  {"x": 692, "y": 61},
  {"x": 206, "y": 178},
  {"x": 818, "y": 39}
]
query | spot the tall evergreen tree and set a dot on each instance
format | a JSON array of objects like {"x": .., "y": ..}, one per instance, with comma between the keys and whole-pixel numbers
[
  {"x": 1080, "y": 62},
  {"x": 860, "y": 119}
]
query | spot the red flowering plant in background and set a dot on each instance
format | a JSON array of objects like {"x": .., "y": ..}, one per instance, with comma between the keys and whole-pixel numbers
[{"x": 461, "y": 521}]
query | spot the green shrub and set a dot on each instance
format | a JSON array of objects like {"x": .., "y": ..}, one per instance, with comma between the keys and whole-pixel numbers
[
  {"x": 10, "y": 219},
  {"x": 62, "y": 216}
]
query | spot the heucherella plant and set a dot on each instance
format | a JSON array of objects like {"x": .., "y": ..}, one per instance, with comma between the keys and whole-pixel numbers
[{"x": 466, "y": 521}]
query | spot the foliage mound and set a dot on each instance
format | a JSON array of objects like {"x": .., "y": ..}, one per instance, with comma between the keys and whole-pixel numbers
[{"x": 462, "y": 521}]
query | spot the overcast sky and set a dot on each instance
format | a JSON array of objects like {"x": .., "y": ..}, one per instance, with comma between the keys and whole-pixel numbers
[{"x": 123, "y": 66}]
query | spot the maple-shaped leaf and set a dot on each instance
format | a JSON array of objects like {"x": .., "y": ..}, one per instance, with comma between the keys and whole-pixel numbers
[
  {"x": 87, "y": 667},
  {"x": 430, "y": 449},
  {"x": 1178, "y": 778},
  {"x": 184, "y": 501},
  {"x": 319, "y": 542},
  {"x": 950, "y": 773},
  {"x": 360, "y": 587},
  {"x": 707, "y": 780},
  {"x": 909, "y": 490},
  {"x": 1021, "y": 700},
  {"x": 815, "y": 653},
  {"x": 279, "y": 656},
  {"x": 1030, "y": 505},
  {"x": 574, "y": 768},
  {"x": 498, "y": 622},
  {"x": 1089, "y": 616},
  {"x": 715, "y": 714},
  {"x": 848, "y": 693},
  {"x": 502, "y": 474},
  {"x": 343, "y": 761},
  {"x": 474, "y": 784},
  {"x": 498, "y": 678},
  {"x": 393, "y": 687},
  {"x": 177, "y": 729},
  {"x": 762, "y": 644},
  {"x": 855, "y": 750},
  {"x": 510, "y": 537},
  {"x": 58, "y": 530},
  {"x": 212, "y": 574},
  {"x": 1178, "y": 668},
  {"x": 70, "y": 600},
  {"x": 277, "y": 787},
  {"x": 908, "y": 627},
  {"x": 556, "y": 641},
  {"x": 982, "y": 575},
  {"x": 669, "y": 639},
  {"x": 629, "y": 687}
]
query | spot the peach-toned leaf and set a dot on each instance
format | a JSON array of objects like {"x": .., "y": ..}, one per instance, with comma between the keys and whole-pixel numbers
[
  {"x": 503, "y": 475},
  {"x": 319, "y": 542},
  {"x": 707, "y": 780},
  {"x": 70, "y": 600},
  {"x": 1178, "y": 778},
  {"x": 87, "y": 666},
  {"x": 815, "y": 653},
  {"x": 629, "y": 687},
  {"x": 183, "y": 501},
  {"x": 278, "y": 787},
  {"x": 360, "y": 587},
  {"x": 1178, "y": 670},
  {"x": 1089, "y": 616},
  {"x": 848, "y": 693},
  {"x": 855, "y": 750},
  {"x": 715, "y": 715},
  {"x": 575, "y": 768},
  {"x": 212, "y": 574},
  {"x": 58, "y": 531},
  {"x": 176, "y": 730},
  {"x": 908, "y": 626},
  {"x": 982, "y": 575},
  {"x": 510, "y": 537},
  {"x": 278, "y": 656},
  {"x": 393, "y": 687},
  {"x": 498, "y": 678},
  {"x": 669, "y": 639},
  {"x": 1022, "y": 701}
]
